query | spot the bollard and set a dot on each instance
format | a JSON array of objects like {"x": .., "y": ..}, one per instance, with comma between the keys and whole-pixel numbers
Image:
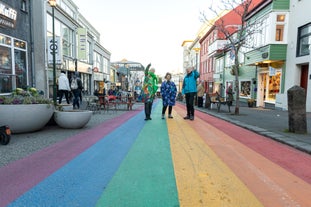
[{"x": 297, "y": 116}]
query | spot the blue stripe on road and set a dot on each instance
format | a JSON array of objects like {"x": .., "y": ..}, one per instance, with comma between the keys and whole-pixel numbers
[{"x": 82, "y": 181}]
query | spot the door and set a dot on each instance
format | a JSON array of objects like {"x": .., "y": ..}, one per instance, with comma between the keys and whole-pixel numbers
[{"x": 304, "y": 77}]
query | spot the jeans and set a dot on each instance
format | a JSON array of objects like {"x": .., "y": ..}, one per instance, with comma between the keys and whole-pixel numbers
[
  {"x": 189, "y": 103},
  {"x": 76, "y": 98}
]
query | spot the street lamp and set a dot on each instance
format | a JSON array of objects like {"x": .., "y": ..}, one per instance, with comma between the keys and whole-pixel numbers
[{"x": 53, "y": 5}]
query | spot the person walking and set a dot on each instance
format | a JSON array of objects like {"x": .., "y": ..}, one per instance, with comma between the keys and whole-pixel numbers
[
  {"x": 168, "y": 92},
  {"x": 63, "y": 87},
  {"x": 200, "y": 93},
  {"x": 189, "y": 89},
  {"x": 150, "y": 88},
  {"x": 76, "y": 87}
]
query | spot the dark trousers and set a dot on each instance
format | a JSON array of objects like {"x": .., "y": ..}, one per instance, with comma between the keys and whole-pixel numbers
[
  {"x": 148, "y": 107},
  {"x": 169, "y": 109},
  {"x": 189, "y": 103},
  {"x": 61, "y": 94},
  {"x": 76, "y": 98},
  {"x": 200, "y": 101}
]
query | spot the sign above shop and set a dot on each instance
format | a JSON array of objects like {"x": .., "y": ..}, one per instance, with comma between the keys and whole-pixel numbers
[{"x": 8, "y": 16}]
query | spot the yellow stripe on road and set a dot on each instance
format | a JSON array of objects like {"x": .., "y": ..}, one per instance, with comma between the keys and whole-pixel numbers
[{"x": 202, "y": 178}]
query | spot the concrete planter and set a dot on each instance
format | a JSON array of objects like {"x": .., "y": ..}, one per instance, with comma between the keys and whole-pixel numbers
[
  {"x": 72, "y": 119},
  {"x": 22, "y": 118}
]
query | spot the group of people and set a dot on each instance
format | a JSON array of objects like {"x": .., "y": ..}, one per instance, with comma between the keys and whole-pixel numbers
[
  {"x": 65, "y": 87},
  {"x": 169, "y": 91}
]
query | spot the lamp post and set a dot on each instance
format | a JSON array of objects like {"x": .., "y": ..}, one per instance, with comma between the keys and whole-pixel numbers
[{"x": 54, "y": 47}]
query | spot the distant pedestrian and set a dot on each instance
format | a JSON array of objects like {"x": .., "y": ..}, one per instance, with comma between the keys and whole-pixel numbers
[
  {"x": 63, "y": 87},
  {"x": 168, "y": 92},
  {"x": 76, "y": 87},
  {"x": 189, "y": 88},
  {"x": 200, "y": 93},
  {"x": 230, "y": 95},
  {"x": 150, "y": 88}
]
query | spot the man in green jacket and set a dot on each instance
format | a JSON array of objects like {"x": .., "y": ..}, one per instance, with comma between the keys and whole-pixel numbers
[{"x": 150, "y": 88}]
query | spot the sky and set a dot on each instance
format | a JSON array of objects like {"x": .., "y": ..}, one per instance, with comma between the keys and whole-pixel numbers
[{"x": 145, "y": 31}]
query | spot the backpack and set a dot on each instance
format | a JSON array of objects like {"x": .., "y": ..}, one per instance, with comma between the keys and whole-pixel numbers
[{"x": 74, "y": 84}]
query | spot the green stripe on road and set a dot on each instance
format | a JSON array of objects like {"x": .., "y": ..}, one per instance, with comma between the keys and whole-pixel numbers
[{"x": 146, "y": 176}]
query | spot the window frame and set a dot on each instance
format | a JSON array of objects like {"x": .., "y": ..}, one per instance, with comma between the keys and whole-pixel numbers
[{"x": 301, "y": 37}]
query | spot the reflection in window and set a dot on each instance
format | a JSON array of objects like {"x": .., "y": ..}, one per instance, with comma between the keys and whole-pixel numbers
[
  {"x": 5, "y": 70},
  {"x": 20, "y": 68},
  {"x": 304, "y": 39},
  {"x": 12, "y": 75}
]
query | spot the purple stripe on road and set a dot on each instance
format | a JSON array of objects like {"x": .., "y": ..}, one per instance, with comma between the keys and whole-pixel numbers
[{"x": 20, "y": 176}]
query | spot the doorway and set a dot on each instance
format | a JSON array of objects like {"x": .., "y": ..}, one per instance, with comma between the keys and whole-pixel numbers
[{"x": 304, "y": 77}]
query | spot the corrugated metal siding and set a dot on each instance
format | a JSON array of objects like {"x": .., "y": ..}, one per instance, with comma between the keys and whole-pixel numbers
[
  {"x": 277, "y": 52},
  {"x": 280, "y": 4},
  {"x": 256, "y": 55}
]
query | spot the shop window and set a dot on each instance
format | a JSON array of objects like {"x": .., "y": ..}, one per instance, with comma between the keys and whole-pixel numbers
[
  {"x": 20, "y": 68},
  {"x": 304, "y": 40},
  {"x": 245, "y": 90},
  {"x": 274, "y": 86},
  {"x": 13, "y": 64}
]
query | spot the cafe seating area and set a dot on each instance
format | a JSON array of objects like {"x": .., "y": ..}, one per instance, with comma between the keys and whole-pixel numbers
[{"x": 111, "y": 103}]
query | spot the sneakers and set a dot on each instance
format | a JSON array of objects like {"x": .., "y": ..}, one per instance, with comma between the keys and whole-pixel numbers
[
  {"x": 170, "y": 116},
  {"x": 163, "y": 116},
  {"x": 187, "y": 117},
  {"x": 148, "y": 118}
]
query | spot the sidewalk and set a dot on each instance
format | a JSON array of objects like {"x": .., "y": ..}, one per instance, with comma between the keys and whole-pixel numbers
[{"x": 268, "y": 122}]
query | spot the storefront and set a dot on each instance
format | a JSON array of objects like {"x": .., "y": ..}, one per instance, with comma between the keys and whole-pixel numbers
[
  {"x": 269, "y": 83},
  {"x": 14, "y": 55}
]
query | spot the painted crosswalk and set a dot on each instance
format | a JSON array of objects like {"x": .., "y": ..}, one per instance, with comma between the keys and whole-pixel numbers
[{"x": 171, "y": 162}]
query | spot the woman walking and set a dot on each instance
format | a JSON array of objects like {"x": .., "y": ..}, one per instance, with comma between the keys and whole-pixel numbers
[{"x": 168, "y": 92}]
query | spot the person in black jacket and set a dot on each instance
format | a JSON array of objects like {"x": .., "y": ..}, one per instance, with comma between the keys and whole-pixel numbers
[{"x": 76, "y": 87}]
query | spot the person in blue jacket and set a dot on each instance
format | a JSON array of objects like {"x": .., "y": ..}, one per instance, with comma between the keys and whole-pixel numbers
[{"x": 189, "y": 89}]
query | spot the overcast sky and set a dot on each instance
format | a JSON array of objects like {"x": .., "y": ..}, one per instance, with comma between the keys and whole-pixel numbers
[{"x": 146, "y": 31}]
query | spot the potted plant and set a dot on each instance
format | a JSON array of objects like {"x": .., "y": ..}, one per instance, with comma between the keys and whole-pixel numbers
[
  {"x": 25, "y": 110},
  {"x": 251, "y": 102},
  {"x": 71, "y": 118}
]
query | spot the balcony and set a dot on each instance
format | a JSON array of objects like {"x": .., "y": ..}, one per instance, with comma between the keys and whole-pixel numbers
[{"x": 217, "y": 45}]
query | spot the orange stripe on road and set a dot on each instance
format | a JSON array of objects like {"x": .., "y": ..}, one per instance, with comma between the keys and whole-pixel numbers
[
  {"x": 271, "y": 184},
  {"x": 202, "y": 178}
]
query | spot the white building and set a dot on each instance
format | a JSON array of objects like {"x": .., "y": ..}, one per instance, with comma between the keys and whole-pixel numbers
[{"x": 298, "y": 59}]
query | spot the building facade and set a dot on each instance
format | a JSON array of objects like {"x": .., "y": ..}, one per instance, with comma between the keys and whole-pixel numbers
[
  {"x": 298, "y": 59},
  {"x": 26, "y": 46}
]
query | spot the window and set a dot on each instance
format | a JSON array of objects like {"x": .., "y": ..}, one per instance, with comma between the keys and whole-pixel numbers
[
  {"x": 13, "y": 64},
  {"x": 23, "y": 5},
  {"x": 245, "y": 90},
  {"x": 304, "y": 40},
  {"x": 67, "y": 41},
  {"x": 279, "y": 32}
]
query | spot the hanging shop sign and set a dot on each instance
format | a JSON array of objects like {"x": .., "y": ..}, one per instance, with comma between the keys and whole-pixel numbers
[
  {"x": 8, "y": 16},
  {"x": 82, "y": 43}
]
